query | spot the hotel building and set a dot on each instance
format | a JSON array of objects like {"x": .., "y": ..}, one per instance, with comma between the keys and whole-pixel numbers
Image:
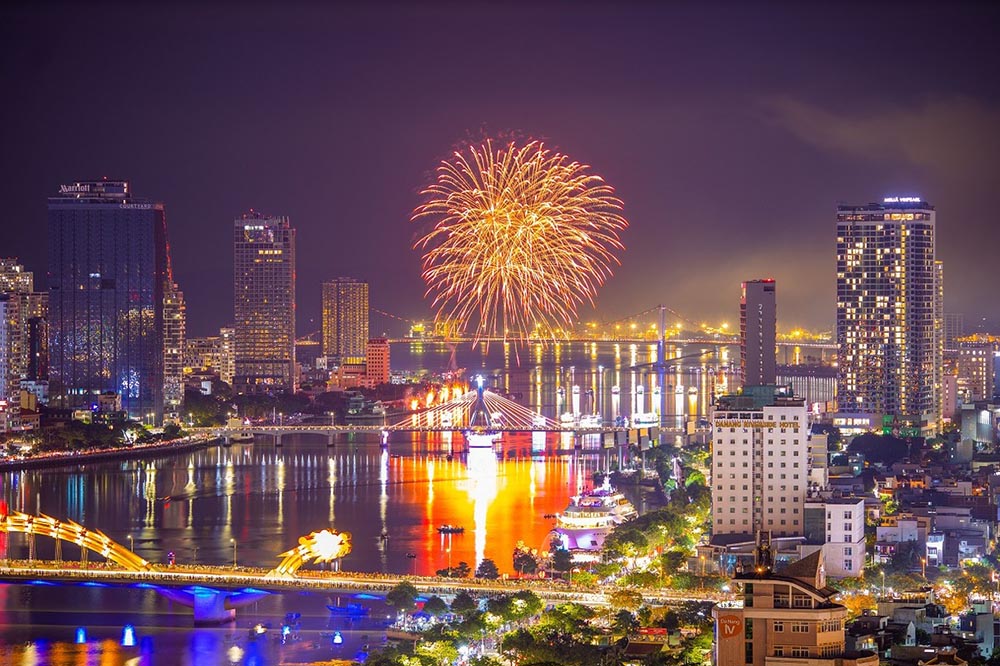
[
  {"x": 783, "y": 619},
  {"x": 264, "y": 308},
  {"x": 890, "y": 331},
  {"x": 108, "y": 277},
  {"x": 760, "y": 463}
]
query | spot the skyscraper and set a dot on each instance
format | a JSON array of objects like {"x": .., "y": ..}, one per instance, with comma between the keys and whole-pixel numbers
[
  {"x": 9, "y": 389},
  {"x": 758, "y": 323},
  {"x": 108, "y": 274},
  {"x": 264, "y": 304},
  {"x": 174, "y": 329},
  {"x": 345, "y": 319},
  {"x": 889, "y": 320}
]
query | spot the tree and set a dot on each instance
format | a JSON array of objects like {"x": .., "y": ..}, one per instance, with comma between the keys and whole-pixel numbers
[
  {"x": 463, "y": 603},
  {"x": 625, "y": 599},
  {"x": 625, "y": 622},
  {"x": 526, "y": 604},
  {"x": 435, "y": 606},
  {"x": 487, "y": 569},
  {"x": 524, "y": 559},
  {"x": 402, "y": 596},
  {"x": 562, "y": 560},
  {"x": 485, "y": 660},
  {"x": 460, "y": 571},
  {"x": 439, "y": 652}
]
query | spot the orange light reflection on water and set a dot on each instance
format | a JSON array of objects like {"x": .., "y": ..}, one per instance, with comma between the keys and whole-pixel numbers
[{"x": 499, "y": 500}]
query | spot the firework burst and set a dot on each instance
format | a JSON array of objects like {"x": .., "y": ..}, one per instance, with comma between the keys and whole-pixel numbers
[{"x": 519, "y": 238}]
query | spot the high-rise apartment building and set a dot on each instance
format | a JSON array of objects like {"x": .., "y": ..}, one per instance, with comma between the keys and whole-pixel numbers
[
  {"x": 108, "y": 276},
  {"x": 227, "y": 355},
  {"x": 14, "y": 279},
  {"x": 377, "y": 362},
  {"x": 9, "y": 385},
  {"x": 174, "y": 328},
  {"x": 214, "y": 352},
  {"x": 758, "y": 323},
  {"x": 889, "y": 320},
  {"x": 264, "y": 308},
  {"x": 29, "y": 359},
  {"x": 954, "y": 328},
  {"x": 345, "y": 319}
]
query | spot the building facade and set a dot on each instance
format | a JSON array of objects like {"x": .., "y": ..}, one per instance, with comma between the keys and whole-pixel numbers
[
  {"x": 837, "y": 526},
  {"x": 108, "y": 260},
  {"x": 954, "y": 328},
  {"x": 174, "y": 330},
  {"x": 10, "y": 389},
  {"x": 787, "y": 618},
  {"x": 345, "y": 319},
  {"x": 377, "y": 362},
  {"x": 890, "y": 331},
  {"x": 760, "y": 459},
  {"x": 758, "y": 324},
  {"x": 264, "y": 309}
]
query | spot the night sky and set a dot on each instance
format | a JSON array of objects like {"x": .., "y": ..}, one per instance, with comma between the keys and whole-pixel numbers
[{"x": 730, "y": 132}]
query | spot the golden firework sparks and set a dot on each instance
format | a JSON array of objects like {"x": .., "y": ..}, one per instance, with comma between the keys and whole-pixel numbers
[{"x": 521, "y": 237}]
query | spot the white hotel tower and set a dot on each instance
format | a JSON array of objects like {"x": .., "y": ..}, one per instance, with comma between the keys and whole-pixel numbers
[{"x": 760, "y": 464}]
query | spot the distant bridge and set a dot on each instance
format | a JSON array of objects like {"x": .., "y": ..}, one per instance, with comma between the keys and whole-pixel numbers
[
  {"x": 625, "y": 340},
  {"x": 452, "y": 417},
  {"x": 227, "y": 433}
]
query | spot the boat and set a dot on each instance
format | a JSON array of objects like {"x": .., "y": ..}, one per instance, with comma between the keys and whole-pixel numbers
[
  {"x": 591, "y": 421},
  {"x": 645, "y": 419},
  {"x": 240, "y": 436},
  {"x": 354, "y": 610},
  {"x": 567, "y": 419},
  {"x": 590, "y": 516},
  {"x": 451, "y": 529},
  {"x": 538, "y": 421}
]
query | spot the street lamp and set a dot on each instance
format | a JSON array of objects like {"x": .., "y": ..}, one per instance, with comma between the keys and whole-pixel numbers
[
  {"x": 233, "y": 541},
  {"x": 883, "y": 584},
  {"x": 131, "y": 543}
]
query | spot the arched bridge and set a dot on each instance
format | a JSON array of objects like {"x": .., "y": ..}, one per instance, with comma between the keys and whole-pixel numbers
[{"x": 209, "y": 605}]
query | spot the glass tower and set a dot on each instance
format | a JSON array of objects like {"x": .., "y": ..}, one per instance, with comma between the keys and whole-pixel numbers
[
  {"x": 264, "y": 263},
  {"x": 889, "y": 311},
  {"x": 107, "y": 274}
]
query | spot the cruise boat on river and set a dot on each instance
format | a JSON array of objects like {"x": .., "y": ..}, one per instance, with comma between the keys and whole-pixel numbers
[{"x": 590, "y": 516}]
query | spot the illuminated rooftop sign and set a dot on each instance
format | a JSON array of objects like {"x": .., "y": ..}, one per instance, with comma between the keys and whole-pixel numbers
[{"x": 892, "y": 200}]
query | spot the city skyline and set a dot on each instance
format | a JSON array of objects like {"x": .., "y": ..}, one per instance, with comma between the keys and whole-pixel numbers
[{"x": 675, "y": 119}]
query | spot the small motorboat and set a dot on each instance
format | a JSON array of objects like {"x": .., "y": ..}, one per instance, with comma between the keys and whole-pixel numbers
[
  {"x": 451, "y": 529},
  {"x": 354, "y": 610}
]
